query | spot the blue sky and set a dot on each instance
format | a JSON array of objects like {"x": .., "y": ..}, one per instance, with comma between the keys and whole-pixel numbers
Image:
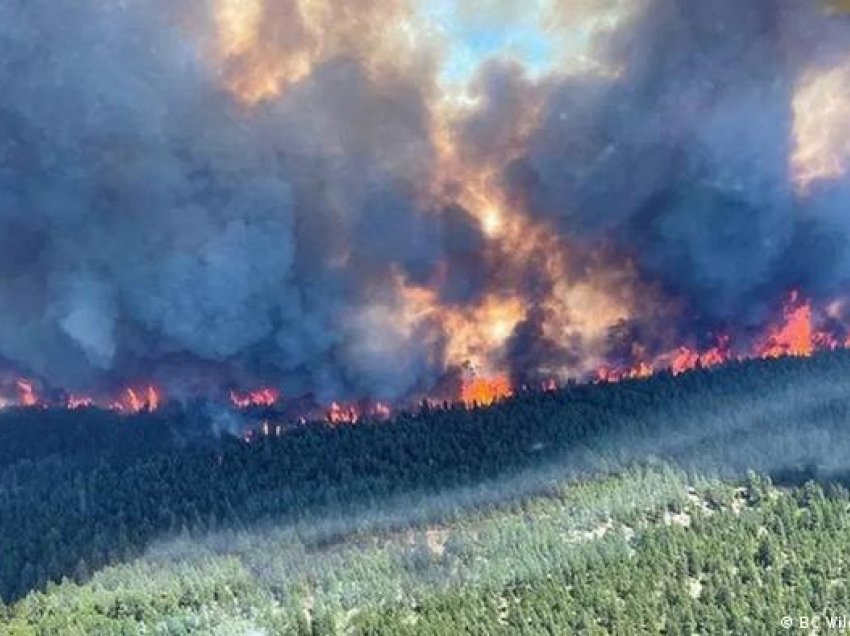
[
  {"x": 478, "y": 30},
  {"x": 475, "y": 30}
]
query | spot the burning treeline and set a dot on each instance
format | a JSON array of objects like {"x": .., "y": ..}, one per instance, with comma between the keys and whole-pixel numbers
[
  {"x": 797, "y": 334},
  {"x": 266, "y": 200}
]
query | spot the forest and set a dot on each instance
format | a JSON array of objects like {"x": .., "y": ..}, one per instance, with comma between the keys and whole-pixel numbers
[{"x": 711, "y": 502}]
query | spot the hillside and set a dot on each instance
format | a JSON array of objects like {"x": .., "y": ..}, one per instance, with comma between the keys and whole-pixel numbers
[{"x": 604, "y": 508}]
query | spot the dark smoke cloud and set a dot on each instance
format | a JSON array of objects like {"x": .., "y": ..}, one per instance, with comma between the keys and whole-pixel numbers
[
  {"x": 681, "y": 153},
  {"x": 149, "y": 222},
  {"x": 145, "y": 217}
]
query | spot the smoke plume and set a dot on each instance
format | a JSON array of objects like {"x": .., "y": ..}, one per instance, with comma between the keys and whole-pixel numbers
[{"x": 232, "y": 194}]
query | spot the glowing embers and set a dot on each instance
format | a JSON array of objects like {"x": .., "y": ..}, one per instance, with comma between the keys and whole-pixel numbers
[
  {"x": 266, "y": 397},
  {"x": 614, "y": 374}
]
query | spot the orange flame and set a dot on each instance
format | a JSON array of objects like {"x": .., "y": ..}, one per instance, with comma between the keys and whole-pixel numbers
[
  {"x": 262, "y": 397},
  {"x": 27, "y": 395},
  {"x": 717, "y": 355},
  {"x": 687, "y": 359},
  {"x": 799, "y": 332},
  {"x": 339, "y": 414},
  {"x": 485, "y": 391},
  {"x": 795, "y": 336},
  {"x": 351, "y": 414},
  {"x": 75, "y": 402},
  {"x": 138, "y": 400}
]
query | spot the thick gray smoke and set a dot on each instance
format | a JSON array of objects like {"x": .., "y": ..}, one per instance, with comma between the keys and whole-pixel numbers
[
  {"x": 681, "y": 153},
  {"x": 148, "y": 223},
  {"x": 151, "y": 224}
]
